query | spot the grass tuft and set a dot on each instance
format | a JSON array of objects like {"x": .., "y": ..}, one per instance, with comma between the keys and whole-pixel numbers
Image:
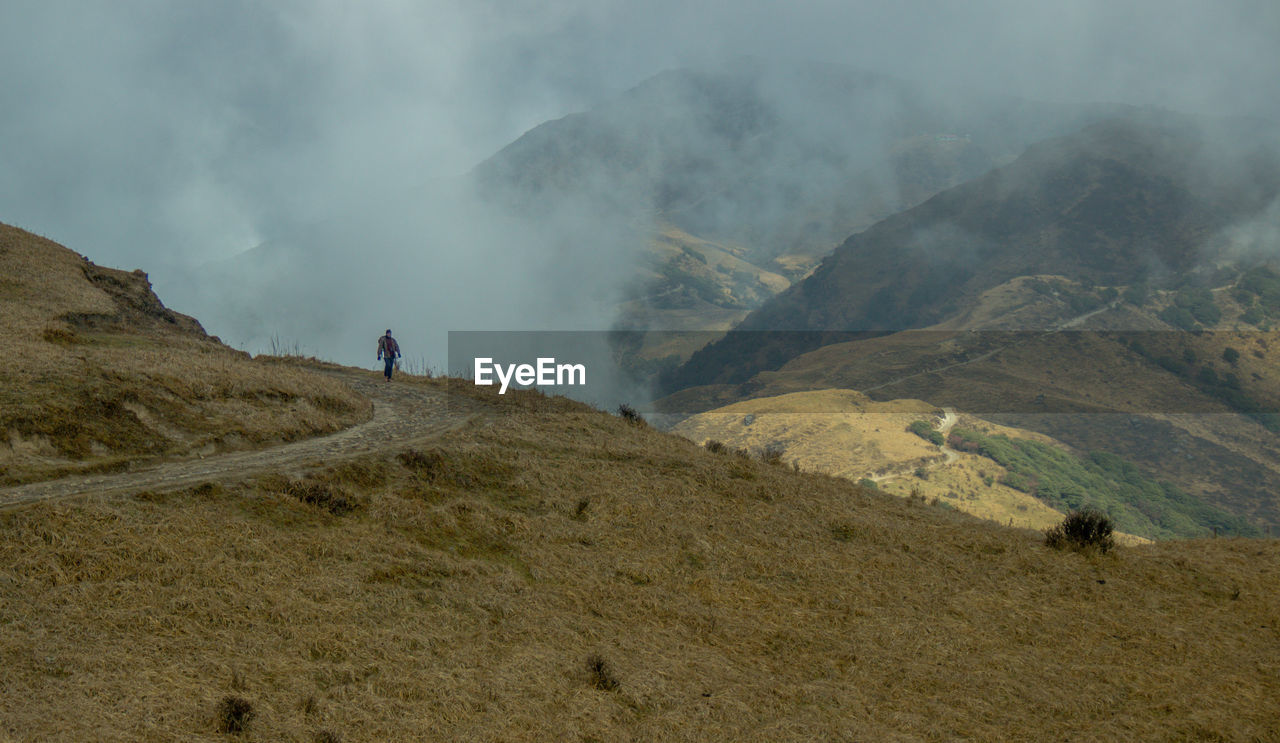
[
  {"x": 429, "y": 464},
  {"x": 60, "y": 336},
  {"x": 772, "y": 454},
  {"x": 470, "y": 470},
  {"x": 844, "y": 531},
  {"x": 601, "y": 674},
  {"x": 325, "y": 495},
  {"x": 234, "y": 714}
]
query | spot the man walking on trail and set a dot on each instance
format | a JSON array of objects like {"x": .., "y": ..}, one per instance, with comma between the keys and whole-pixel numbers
[{"x": 388, "y": 351}]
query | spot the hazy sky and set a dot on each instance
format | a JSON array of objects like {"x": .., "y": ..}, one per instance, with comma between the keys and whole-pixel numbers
[
  {"x": 160, "y": 134},
  {"x": 148, "y": 132}
]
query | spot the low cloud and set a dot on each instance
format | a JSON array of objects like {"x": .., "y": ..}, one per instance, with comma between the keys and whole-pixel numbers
[{"x": 173, "y": 137}]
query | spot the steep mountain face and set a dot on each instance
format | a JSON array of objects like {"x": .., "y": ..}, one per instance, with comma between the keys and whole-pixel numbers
[
  {"x": 1145, "y": 198},
  {"x": 783, "y": 161},
  {"x": 746, "y": 154}
]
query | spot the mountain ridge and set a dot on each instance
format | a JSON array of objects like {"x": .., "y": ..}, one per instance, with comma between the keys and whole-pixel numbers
[{"x": 1117, "y": 203}]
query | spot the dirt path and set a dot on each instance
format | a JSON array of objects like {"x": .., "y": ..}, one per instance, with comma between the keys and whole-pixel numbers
[
  {"x": 950, "y": 455},
  {"x": 402, "y": 413},
  {"x": 948, "y": 420}
]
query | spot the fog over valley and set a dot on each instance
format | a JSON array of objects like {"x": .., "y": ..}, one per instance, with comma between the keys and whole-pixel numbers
[{"x": 305, "y": 174}]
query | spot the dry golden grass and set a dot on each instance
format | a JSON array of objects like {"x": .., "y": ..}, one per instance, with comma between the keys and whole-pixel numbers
[
  {"x": 95, "y": 372},
  {"x": 721, "y": 261},
  {"x": 846, "y": 434},
  {"x": 963, "y": 485},
  {"x": 560, "y": 574},
  {"x": 839, "y": 432}
]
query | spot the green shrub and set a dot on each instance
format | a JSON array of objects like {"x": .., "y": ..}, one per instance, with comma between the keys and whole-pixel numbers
[
  {"x": 1019, "y": 481},
  {"x": 1087, "y": 529},
  {"x": 1137, "y": 294},
  {"x": 1170, "y": 364},
  {"x": 1081, "y": 303},
  {"x": 924, "y": 430},
  {"x": 1199, "y": 302},
  {"x": 1264, "y": 282},
  {"x": 1136, "y": 501},
  {"x": 1179, "y": 317},
  {"x": 1207, "y": 376}
]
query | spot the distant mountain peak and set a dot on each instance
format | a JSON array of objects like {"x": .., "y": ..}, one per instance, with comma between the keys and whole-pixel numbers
[{"x": 1121, "y": 201}]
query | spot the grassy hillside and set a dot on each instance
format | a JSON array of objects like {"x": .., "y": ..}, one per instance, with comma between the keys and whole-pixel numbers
[
  {"x": 1135, "y": 500},
  {"x": 1127, "y": 232},
  {"x": 892, "y": 443},
  {"x": 555, "y": 573},
  {"x": 95, "y": 372},
  {"x": 547, "y": 571},
  {"x": 1094, "y": 367}
]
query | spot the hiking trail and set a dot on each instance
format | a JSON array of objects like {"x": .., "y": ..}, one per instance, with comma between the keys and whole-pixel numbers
[
  {"x": 1059, "y": 327},
  {"x": 402, "y": 414},
  {"x": 950, "y": 455}
]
